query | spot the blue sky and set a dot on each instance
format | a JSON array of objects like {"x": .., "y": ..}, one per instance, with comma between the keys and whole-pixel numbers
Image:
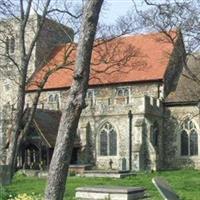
[{"x": 116, "y": 8}]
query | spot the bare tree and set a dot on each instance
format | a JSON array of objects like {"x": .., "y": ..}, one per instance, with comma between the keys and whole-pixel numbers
[
  {"x": 170, "y": 15},
  {"x": 19, "y": 15},
  {"x": 22, "y": 17},
  {"x": 25, "y": 55}
]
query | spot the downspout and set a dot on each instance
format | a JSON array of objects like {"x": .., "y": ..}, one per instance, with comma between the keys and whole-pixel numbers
[
  {"x": 158, "y": 91},
  {"x": 130, "y": 117}
]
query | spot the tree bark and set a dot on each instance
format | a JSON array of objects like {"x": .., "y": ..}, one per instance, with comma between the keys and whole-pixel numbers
[
  {"x": 76, "y": 102},
  {"x": 16, "y": 124}
]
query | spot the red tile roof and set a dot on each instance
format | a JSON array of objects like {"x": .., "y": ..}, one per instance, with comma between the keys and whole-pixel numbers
[{"x": 126, "y": 59}]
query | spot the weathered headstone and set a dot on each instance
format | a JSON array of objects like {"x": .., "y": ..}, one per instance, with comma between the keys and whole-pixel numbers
[
  {"x": 5, "y": 176},
  {"x": 124, "y": 164},
  {"x": 164, "y": 188}
]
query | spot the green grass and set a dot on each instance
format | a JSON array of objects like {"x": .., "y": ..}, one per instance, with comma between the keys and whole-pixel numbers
[{"x": 185, "y": 182}]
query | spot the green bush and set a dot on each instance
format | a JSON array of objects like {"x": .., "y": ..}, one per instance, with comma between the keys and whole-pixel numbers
[
  {"x": 5, "y": 193},
  {"x": 25, "y": 196}
]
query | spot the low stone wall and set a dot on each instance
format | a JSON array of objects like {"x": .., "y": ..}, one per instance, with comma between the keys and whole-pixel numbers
[{"x": 5, "y": 176}]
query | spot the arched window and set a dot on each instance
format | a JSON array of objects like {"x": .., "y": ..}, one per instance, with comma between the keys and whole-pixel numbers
[
  {"x": 51, "y": 99},
  {"x": 126, "y": 92},
  {"x": 56, "y": 98},
  {"x": 103, "y": 143},
  {"x": 184, "y": 143},
  {"x": 122, "y": 91},
  {"x": 90, "y": 94},
  {"x": 193, "y": 143},
  {"x": 113, "y": 143},
  {"x": 154, "y": 134},
  {"x": 108, "y": 140},
  {"x": 7, "y": 45},
  {"x": 189, "y": 138},
  {"x": 12, "y": 45}
]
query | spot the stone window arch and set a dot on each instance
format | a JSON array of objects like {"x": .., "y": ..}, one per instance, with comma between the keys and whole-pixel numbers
[
  {"x": 10, "y": 45},
  {"x": 56, "y": 98},
  {"x": 154, "y": 134},
  {"x": 51, "y": 98},
  {"x": 7, "y": 45},
  {"x": 122, "y": 91},
  {"x": 184, "y": 143},
  {"x": 189, "y": 138},
  {"x": 107, "y": 140},
  {"x": 90, "y": 94}
]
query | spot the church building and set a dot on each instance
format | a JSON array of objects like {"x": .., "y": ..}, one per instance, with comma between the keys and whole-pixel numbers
[
  {"x": 142, "y": 108},
  {"x": 138, "y": 114}
]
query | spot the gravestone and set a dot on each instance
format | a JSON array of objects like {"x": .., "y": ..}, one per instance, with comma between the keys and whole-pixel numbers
[
  {"x": 164, "y": 188},
  {"x": 5, "y": 176},
  {"x": 124, "y": 164},
  {"x": 110, "y": 192}
]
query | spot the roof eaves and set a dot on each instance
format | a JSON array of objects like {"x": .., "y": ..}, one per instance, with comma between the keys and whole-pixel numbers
[
  {"x": 181, "y": 103},
  {"x": 97, "y": 85}
]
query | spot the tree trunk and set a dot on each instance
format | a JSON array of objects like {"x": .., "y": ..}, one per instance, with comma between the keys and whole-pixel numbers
[
  {"x": 75, "y": 103},
  {"x": 21, "y": 133},
  {"x": 23, "y": 68},
  {"x": 16, "y": 123}
]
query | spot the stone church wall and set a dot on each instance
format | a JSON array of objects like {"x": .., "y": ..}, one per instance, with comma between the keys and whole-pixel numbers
[
  {"x": 100, "y": 94},
  {"x": 104, "y": 105},
  {"x": 172, "y": 129}
]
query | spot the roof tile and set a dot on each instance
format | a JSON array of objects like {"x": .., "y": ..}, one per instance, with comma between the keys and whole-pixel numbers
[{"x": 125, "y": 59}]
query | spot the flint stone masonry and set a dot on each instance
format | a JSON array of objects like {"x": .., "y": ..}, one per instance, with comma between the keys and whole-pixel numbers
[{"x": 112, "y": 193}]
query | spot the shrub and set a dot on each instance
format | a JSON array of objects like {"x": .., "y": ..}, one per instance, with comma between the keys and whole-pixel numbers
[
  {"x": 25, "y": 196},
  {"x": 5, "y": 193}
]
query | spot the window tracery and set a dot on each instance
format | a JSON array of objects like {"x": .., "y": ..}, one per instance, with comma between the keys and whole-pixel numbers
[
  {"x": 122, "y": 91},
  {"x": 108, "y": 140},
  {"x": 189, "y": 138}
]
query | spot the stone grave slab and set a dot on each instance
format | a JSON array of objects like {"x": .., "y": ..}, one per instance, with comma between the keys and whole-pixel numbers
[
  {"x": 108, "y": 173},
  {"x": 164, "y": 188},
  {"x": 109, "y": 192}
]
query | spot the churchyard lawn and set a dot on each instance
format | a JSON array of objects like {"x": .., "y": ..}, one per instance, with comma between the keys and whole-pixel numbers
[{"x": 185, "y": 182}]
